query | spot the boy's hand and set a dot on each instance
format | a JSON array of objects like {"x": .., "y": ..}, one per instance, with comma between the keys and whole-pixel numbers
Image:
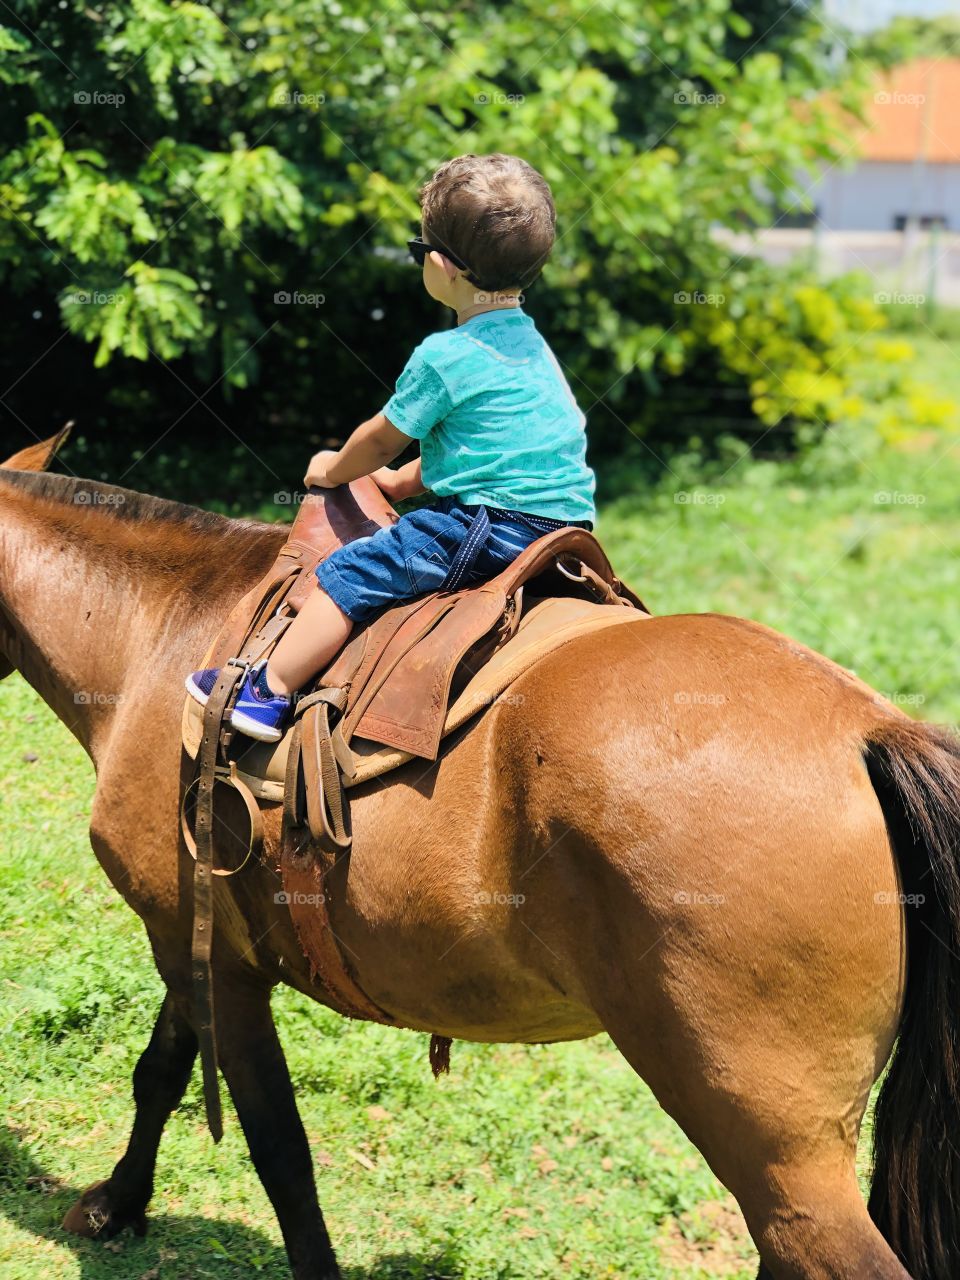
[
  {"x": 317, "y": 470},
  {"x": 373, "y": 443}
]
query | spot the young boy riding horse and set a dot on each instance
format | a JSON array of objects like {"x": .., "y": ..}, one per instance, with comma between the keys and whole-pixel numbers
[{"x": 502, "y": 441}]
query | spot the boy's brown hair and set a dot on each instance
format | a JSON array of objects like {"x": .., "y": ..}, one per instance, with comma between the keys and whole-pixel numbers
[{"x": 495, "y": 213}]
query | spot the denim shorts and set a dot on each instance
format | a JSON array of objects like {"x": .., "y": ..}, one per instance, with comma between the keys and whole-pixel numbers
[{"x": 413, "y": 557}]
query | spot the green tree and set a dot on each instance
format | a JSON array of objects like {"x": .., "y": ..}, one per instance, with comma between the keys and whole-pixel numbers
[
  {"x": 909, "y": 37},
  {"x": 212, "y": 205}
]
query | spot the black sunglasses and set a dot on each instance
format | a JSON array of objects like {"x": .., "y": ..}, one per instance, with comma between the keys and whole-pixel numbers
[{"x": 419, "y": 249}]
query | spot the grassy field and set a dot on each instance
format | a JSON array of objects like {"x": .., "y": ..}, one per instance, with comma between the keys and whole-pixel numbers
[{"x": 525, "y": 1162}]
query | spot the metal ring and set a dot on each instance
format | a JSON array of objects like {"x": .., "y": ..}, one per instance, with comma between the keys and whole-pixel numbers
[
  {"x": 190, "y": 842},
  {"x": 574, "y": 577}
]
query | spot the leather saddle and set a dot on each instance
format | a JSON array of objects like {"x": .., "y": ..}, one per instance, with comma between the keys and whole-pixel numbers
[
  {"x": 389, "y": 692},
  {"x": 394, "y": 681}
]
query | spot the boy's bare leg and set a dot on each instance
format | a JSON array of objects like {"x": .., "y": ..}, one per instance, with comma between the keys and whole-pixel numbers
[{"x": 313, "y": 639}]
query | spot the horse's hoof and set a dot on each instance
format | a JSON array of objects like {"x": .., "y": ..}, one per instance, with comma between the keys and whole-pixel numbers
[{"x": 95, "y": 1216}]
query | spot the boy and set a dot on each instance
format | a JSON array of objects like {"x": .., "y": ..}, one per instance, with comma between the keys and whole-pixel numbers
[{"x": 501, "y": 437}]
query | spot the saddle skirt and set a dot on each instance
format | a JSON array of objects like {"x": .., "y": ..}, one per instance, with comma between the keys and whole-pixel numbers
[{"x": 545, "y": 625}]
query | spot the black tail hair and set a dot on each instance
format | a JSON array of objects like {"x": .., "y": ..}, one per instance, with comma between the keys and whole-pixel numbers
[{"x": 915, "y": 1194}]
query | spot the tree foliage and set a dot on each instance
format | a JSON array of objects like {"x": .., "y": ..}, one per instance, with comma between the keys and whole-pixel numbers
[
  {"x": 909, "y": 37},
  {"x": 212, "y": 202}
]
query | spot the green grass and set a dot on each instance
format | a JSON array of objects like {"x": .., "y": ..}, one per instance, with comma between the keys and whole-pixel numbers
[
  {"x": 526, "y": 1162},
  {"x": 937, "y": 359},
  {"x": 854, "y": 551},
  {"x": 936, "y": 339}
]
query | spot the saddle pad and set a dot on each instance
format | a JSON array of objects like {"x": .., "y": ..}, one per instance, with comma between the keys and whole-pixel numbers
[{"x": 546, "y": 625}]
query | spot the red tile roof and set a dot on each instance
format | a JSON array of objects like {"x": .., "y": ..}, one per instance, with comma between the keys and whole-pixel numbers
[{"x": 913, "y": 112}]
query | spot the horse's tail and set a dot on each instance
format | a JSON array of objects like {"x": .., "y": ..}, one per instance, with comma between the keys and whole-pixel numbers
[{"x": 915, "y": 1194}]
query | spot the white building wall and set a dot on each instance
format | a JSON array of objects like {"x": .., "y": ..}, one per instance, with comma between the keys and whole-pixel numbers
[
  {"x": 867, "y": 15},
  {"x": 912, "y": 267},
  {"x": 869, "y": 197}
]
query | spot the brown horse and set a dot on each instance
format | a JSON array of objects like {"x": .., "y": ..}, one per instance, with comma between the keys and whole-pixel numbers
[{"x": 732, "y": 856}]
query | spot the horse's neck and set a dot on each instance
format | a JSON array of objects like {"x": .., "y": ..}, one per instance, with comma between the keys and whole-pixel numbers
[{"x": 92, "y": 622}]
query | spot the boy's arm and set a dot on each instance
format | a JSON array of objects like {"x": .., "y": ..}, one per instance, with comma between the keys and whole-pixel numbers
[
  {"x": 404, "y": 482},
  {"x": 375, "y": 443}
]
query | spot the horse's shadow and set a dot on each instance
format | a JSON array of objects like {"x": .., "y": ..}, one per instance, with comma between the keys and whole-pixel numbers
[{"x": 177, "y": 1247}]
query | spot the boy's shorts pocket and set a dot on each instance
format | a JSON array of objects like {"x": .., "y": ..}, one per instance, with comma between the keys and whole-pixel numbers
[{"x": 428, "y": 567}]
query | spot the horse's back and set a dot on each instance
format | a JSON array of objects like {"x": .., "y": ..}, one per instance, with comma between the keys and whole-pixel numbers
[{"x": 697, "y": 779}]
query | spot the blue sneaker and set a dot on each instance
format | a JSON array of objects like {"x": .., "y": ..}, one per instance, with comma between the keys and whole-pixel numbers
[
  {"x": 259, "y": 717},
  {"x": 200, "y": 684},
  {"x": 256, "y": 716}
]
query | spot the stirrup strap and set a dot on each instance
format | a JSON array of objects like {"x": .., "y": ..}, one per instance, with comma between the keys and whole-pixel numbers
[
  {"x": 217, "y": 733},
  {"x": 202, "y": 946},
  {"x": 327, "y": 809}
]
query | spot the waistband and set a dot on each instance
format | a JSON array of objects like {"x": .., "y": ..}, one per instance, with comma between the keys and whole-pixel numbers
[
  {"x": 481, "y": 521},
  {"x": 546, "y": 524}
]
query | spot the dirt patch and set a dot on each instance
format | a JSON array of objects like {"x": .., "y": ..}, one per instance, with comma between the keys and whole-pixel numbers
[{"x": 711, "y": 1238}]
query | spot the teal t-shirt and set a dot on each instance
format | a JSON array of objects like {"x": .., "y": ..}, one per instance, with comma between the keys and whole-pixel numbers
[{"x": 496, "y": 420}]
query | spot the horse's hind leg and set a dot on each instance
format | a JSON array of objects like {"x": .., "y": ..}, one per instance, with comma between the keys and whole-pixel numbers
[
  {"x": 800, "y": 1198},
  {"x": 159, "y": 1082},
  {"x": 810, "y": 1223},
  {"x": 786, "y": 1152}
]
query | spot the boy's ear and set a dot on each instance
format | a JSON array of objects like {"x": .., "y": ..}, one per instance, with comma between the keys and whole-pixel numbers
[{"x": 445, "y": 265}]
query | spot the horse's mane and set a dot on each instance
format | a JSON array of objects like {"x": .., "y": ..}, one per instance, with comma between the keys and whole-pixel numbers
[{"x": 127, "y": 505}]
